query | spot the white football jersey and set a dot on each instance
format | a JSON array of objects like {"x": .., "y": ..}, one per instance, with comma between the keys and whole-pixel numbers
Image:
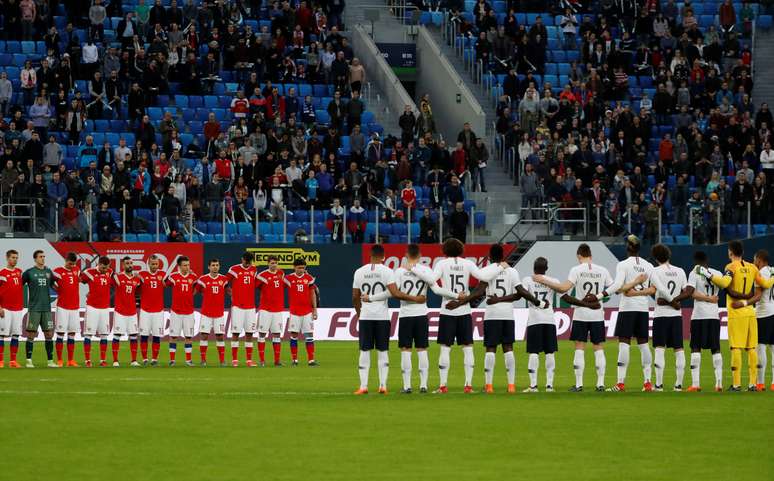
[
  {"x": 669, "y": 281},
  {"x": 454, "y": 274},
  {"x": 765, "y": 306},
  {"x": 503, "y": 285},
  {"x": 540, "y": 314},
  {"x": 372, "y": 279},
  {"x": 411, "y": 282},
  {"x": 589, "y": 278},
  {"x": 626, "y": 271},
  {"x": 702, "y": 309}
]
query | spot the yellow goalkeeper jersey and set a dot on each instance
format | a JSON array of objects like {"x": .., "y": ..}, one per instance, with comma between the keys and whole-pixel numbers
[{"x": 742, "y": 277}]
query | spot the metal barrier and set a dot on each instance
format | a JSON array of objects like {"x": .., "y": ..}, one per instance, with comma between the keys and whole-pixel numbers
[{"x": 555, "y": 221}]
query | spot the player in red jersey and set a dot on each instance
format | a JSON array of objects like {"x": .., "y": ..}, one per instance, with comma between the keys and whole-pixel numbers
[
  {"x": 11, "y": 306},
  {"x": 99, "y": 280},
  {"x": 68, "y": 316},
  {"x": 243, "y": 284},
  {"x": 181, "y": 316},
  {"x": 302, "y": 299},
  {"x": 272, "y": 287},
  {"x": 213, "y": 287},
  {"x": 151, "y": 309},
  {"x": 127, "y": 284}
]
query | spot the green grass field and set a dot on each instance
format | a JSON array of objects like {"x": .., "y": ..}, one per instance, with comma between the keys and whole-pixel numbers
[{"x": 303, "y": 423}]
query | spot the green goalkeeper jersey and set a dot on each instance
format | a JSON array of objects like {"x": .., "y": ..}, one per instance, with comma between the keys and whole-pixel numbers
[{"x": 39, "y": 282}]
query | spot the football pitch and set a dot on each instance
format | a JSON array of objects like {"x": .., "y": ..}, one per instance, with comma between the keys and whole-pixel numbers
[{"x": 303, "y": 423}]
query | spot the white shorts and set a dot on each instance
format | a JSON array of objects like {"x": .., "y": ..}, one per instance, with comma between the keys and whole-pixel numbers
[
  {"x": 11, "y": 323},
  {"x": 181, "y": 325},
  {"x": 125, "y": 324},
  {"x": 97, "y": 322},
  {"x": 243, "y": 320},
  {"x": 269, "y": 322},
  {"x": 67, "y": 320},
  {"x": 303, "y": 323},
  {"x": 151, "y": 323},
  {"x": 209, "y": 324}
]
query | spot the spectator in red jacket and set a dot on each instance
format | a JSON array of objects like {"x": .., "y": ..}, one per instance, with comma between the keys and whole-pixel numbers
[{"x": 211, "y": 128}]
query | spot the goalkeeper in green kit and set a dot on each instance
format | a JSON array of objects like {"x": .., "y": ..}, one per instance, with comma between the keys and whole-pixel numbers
[{"x": 39, "y": 280}]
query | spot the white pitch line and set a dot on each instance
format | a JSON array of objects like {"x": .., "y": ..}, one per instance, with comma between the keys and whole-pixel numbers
[{"x": 174, "y": 393}]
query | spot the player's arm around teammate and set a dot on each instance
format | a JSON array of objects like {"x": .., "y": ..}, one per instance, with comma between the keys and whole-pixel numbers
[{"x": 97, "y": 324}]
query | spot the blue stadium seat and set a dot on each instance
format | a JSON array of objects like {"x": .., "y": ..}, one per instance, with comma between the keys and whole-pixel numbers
[{"x": 245, "y": 228}]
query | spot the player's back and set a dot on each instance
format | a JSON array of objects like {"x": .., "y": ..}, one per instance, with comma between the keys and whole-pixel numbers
[
  {"x": 454, "y": 274},
  {"x": 410, "y": 282},
  {"x": 631, "y": 268},
  {"x": 372, "y": 279},
  {"x": 589, "y": 278},
  {"x": 765, "y": 307},
  {"x": 502, "y": 285},
  {"x": 704, "y": 309},
  {"x": 674, "y": 280},
  {"x": 743, "y": 276},
  {"x": 12, "y": 289},
  {"x": 540, "y": 314}
]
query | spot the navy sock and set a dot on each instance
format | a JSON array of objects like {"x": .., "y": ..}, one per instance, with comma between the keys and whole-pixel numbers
[
  {"x": 28, "y": 348},
  {"x": 49, "y": 349}
]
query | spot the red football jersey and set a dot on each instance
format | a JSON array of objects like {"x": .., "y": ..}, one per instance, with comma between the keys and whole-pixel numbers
[
  {"x": 242, "y": 286},
  {"x": 99, "y": 287},
  {"x": 126, "y": 292},
  {"x": 152, "y": 295},
  {"x": 213, "y": 291},
  {"x": 300, "y": 292},
  {"x": 182, "y": 292},
  {"x": 272, "y": 290},
  {"x": 68, "y": 287},
  {"x": 11, "y": 289}
]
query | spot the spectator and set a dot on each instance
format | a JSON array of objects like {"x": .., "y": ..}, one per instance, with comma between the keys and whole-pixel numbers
[
  {"x": 428, "y": 230},
  {"x": 458, "y": 222}
]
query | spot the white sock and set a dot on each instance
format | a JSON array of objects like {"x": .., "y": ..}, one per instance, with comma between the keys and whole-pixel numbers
[
  {"x": 405, "y": 368},
  {"x": 424, "y": 367},
  {"x": 578, "y": 363},
  {"x": 695, "y": 369},
  {"x": 659, "y": 363},
  {"x": 679, "y": 367},
  {"x": 363, "y": 366},
  {"x": 532, "y": 367},
  {"x": 469, "y": 362},
  {"x": 550, "y": 366},
  {"x": 489, "y": 364},
  {"x": 601, "y": 364},
  {"x": 510, "y": 367},
  {"x": 761, "y": 363},
  {"x": 646, "y": 357},
  {"x": 384, "y": 367},
  {"x": 443, "y": 364},
  {"x": 717, "y": 364},
  {"x": 623, "y": 361}
]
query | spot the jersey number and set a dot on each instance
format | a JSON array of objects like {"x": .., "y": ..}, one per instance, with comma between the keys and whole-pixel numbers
[
  {"x": 409, "y": 286},
  {"x": 710, "y": 288},
  {"x": 591, "y": 288},
  {"x": 456, "y": 283},
  {"x": 215, "y": 289},
  {"x": 672, "y": 285},
  {"x": 500, "y": 288},
  {"x": 369, "y": 289}
]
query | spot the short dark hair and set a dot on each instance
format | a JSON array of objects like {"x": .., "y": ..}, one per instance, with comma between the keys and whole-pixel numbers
[
  {"x": 377, "y": 250},
  {"x": 10, "y": 252},
  {"x": 104, "y": 260},
  {"x": 214, "y": 259},
  {"x": 661, "y": 253},
  {"x": 583, "y": 250},
  {"x": 412, "y": 251},
  {"x": 182, "y": 259},
  {"x": 248, "y": 257},
  {"x": 496, "y": 253},
  {"x": 540, "y": 266},
  {"x": 299, "y": 261},
  {"x": 700, "y": 257},
  {"x": 37, "y": 253},
  {"x": 71, "y": 257},
  {"x": 272, "y": 257},
  {"x": 453, "y": 247},
  {"x": 736, "y": 248},
  {"x": 763, "y": 255}
]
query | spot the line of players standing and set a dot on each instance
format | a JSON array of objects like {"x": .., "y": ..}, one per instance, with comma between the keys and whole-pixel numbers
[
  {"x": 636, "y": 281},
  {"x": 240, "y": 283}
]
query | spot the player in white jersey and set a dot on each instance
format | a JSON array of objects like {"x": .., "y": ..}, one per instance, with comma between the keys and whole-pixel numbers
[
  {"x": 764, "y": 312},
  {"x": 454, "y": 273},
  {"x": 633, "y": 319},
  {"x": 669, "y": 281},
  {"x": 705, "y": 322},
  {"x": 374, "y": 317},
  {"x": 413, "y": 327},
  {"x": 499, "y": 326},
  {"x": 588, "y": 323}
]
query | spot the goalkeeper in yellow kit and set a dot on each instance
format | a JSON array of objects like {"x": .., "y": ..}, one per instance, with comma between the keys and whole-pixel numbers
[{"x": 739, "y": 280}]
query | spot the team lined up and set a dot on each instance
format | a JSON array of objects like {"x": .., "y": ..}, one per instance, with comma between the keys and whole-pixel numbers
[
  {"x": 748, "y": 286},
  {"x": 240, "y": 283}
]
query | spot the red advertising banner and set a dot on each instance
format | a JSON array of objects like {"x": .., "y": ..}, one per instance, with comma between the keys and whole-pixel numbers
[
  {"x": 89, "y": 253},
  {"x": 395, "y": 253}
]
